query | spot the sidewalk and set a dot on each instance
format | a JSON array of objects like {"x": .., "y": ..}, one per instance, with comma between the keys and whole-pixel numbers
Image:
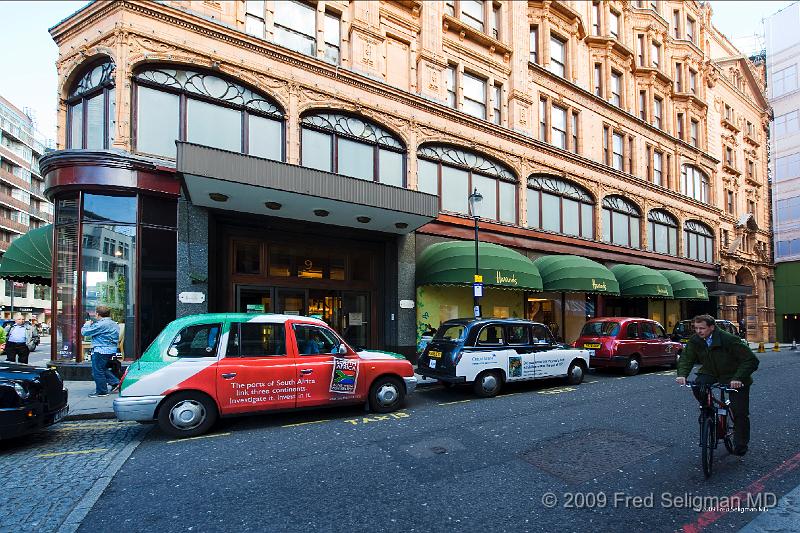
[{"x": 81, "y": 407}]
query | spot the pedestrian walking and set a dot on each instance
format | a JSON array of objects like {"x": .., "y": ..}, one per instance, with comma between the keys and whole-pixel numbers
[
  {"x": 104, "y": 333},
  {"x": 21, "y": 339}
]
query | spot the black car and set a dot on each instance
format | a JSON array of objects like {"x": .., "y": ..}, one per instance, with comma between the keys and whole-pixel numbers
[
  {"x": 31, "y": 398},
  {"x": 684, "y": 329}
]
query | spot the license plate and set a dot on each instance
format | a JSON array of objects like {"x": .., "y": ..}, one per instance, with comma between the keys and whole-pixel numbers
[
  {"x": 432, "y": 363},
  {"x": 435, "y": 354},
  {"x": 61, "y": 414},
  {"x": 593, "y": 345}
]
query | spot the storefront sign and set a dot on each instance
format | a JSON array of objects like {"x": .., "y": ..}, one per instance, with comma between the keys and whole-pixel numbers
[
  {"x": 192, "y": 297},
  {"x": 355, "y": 319},
  {"x": 477, "y": 289},
  {"x": 501, "y": 279},
  {"x": 599, "y": 286},
  {"x": 406, "y": 304},
  {"x": 255, "y": 308},
  {"x": 662, "y": 291}
]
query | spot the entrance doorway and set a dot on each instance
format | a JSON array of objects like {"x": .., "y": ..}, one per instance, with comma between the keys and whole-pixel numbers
[{"x": 347, "y": 312}]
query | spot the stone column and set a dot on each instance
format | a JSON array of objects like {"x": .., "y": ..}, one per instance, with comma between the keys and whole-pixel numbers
[
  {"x": 431, "y": 62},
  {"x": 192, "y": 268},
  {"x": 406, "y": 319}
]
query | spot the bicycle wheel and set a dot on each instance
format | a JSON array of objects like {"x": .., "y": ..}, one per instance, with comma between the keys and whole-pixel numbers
[
  {"x": 708, "y": 438},
  {"x": 728, "y": 438}
]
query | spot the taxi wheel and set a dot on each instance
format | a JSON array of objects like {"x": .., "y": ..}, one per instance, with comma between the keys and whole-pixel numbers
[
  {"x": 575, "y": 373},
  {"x": 631, "y": 367},
  {"x": 187, "y": 414},
  {"x": 487, "y": 384},
  {"x": 386, "y": 395}
]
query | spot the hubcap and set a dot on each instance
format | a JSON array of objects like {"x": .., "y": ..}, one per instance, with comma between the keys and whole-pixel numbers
[
  {"x": 187, "y": 414},
  {"x": 634, "y": 364},
  {"x": 387, "y": 394},
  {"x": 489, "y": 382},
  {"x": 577, "y": 372}
]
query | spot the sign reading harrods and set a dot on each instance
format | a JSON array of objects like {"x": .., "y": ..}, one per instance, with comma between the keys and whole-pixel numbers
[
  {"x": 599, "y": 286},
  {"x": 503, "y": 279},
  {"x": 662, "y": 291}
]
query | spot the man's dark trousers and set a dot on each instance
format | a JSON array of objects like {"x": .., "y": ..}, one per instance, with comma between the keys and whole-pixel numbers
[
  {"x": 17, "y": 349},
  {"x": 740, "y": 407}
]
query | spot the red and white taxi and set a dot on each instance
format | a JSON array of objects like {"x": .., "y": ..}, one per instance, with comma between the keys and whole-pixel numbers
[{"x": 205, "y": 366}]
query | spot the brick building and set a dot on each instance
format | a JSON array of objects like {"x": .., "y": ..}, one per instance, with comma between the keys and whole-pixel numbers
[{"x": 324, "y": 147}]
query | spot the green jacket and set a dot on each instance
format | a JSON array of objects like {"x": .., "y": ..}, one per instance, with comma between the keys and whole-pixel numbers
[{"x": 728, "y": 358}]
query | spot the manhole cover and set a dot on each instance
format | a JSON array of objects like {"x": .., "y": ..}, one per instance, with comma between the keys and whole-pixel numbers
[
  {"x": 439, "y": 450},
  {"x": 584, "y": 455},
  {"x": 433, "y": 447}
]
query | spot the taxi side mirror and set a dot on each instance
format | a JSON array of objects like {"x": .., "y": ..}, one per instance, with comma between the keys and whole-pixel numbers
[{"x": 172, "y": 352}]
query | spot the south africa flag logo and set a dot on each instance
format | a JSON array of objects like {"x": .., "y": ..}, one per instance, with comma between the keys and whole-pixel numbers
[{"x": 345, "y": 374}]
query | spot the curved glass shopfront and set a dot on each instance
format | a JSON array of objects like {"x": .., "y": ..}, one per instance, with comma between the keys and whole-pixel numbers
[{"x": 117, "y": 250}]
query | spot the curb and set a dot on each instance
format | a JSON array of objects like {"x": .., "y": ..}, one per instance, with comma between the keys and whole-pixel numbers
[{"x": 90, "y": 416}]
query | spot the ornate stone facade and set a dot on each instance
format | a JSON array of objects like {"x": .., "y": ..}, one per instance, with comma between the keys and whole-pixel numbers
[{"x": 393, "y": 69}]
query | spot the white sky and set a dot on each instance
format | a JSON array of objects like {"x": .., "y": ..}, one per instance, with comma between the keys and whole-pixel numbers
[{"x": 28, "y": 53}]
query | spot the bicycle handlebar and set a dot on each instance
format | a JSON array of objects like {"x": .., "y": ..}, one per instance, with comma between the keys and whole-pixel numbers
[{"x": 712, "y": 386}]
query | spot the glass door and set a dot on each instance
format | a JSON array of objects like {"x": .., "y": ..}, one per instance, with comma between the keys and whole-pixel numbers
[
  {"x": 326, "y": 305},
  {"x": 290, "y": 301},
  {"x": 254, "y": 299},
  {"x": 356, "y": 319}
]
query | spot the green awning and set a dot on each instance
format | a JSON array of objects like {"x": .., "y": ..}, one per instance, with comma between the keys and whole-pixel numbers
[
  {"x": 453, "y": 263},
  {"x": 685, "y": 286},
  {"x": 640, "y": 281},
  {"x": 30, "y": 257},
  {"x": 571, "y": 273}
]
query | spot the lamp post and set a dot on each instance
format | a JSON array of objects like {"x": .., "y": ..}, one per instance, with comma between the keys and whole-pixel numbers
[{"x": 474, "y": 199}]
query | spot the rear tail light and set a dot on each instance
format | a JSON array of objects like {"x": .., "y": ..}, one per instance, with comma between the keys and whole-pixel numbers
[{"x": 456, "y": 356}]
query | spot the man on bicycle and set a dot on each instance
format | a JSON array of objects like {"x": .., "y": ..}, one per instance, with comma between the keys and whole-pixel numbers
[{"x": 725, "y": 358}]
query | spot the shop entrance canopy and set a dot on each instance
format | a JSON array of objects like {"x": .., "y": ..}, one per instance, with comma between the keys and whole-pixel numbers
[
  {"x": 30, "y": 258},
  {"x": 572, "y": 273},
  {"x": 453, "y": 263},
  {"x": 685, "y": 286},
  {"x": 640, "y": 281}
]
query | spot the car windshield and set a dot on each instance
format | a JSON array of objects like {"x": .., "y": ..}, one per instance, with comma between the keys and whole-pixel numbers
[
  {"x": 450, "y": 332},
  {"x": 683, "y": 328},
  {"x": 600, "y": 329}
]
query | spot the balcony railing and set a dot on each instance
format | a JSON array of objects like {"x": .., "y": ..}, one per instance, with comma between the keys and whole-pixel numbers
[
  {"x": 10, "y": 201},
  {"x": 6, "y": 222},
  {"x": 14, "y": 180}
]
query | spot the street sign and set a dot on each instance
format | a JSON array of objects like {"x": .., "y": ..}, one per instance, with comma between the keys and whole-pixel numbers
[
  {"x": 477, "y": 289},
  {"x": 478, "y": 278},
  {"x": 477, "y": 311},
  {"x": 191, "y": 297}
]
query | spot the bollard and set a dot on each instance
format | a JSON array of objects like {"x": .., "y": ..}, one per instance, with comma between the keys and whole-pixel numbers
[
  {"x": 777, "y": 347},
  {"x": 760, "y": 348},
  {"x": 794, "y": 345}
]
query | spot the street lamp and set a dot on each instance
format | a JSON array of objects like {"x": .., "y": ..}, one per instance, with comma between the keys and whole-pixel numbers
[{"x": 474, "y": 199}]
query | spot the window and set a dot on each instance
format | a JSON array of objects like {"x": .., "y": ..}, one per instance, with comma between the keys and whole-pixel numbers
[
  {"x": 91, "y": 109},
  {"x": 20, "y": 289},
  {"x": 450, "y": 7},
  {"x": 728, "y": 113},
  {"x": 616, "y": 88},
  {"x": 679, "y": 124},
  {"x": 729, "y": 157},
  {"x": 254, "y": 18},
  {"x": 693, "y": 133},
  {"x": 596, "y": 18},
  {"x": 558, "y": 55},
  {"x": 632, "y": 331},
  {"x": 352, "y": 146},
  {"x": 534, "y": 45},
  {"x": 751, "y": 130},
  {"x": 472, "y": 13},
  {"x": 496, "y": 21},
  {"x": 750, "y": 169},
  {"x": 729, "y": 202},
  {"x": 205, "y": 109},
  {"x": 543, "y": 119},
  {"x": 643, "y": 105},
  {"x": 517, "y": 335},
  {"x": 662, "y": 232},
  {"x": 199, "y": 340},
  {"x": 690, "y": 28},
  {"x": 474, "y": 96},
  {"x": 332, "y": 32},
  {"x": 751, "y": 207},
  {"x": 726, "y": 239},
  {"x": 692, "y": 81},
  {"x": 658, "y": 168},
  {"x": 786, "y": 124},
  {"x": 617, "y": 159},
  {"x": 621, "y": 220},
  {"x": 658, "y": 105},
  {"x": 676, "y": 23},
  {"x": 598, "y": 79},
  {"x": 560, "y": 206},
  {"x": 694, "y": 183},
  {"x": 295, "y": 27},
  {"x": 698, "y": 241},
  {"x": 788, "y": 209},
  {"x": 613, "y": 24},
  {"x": 453, "y": 174},
  {"x": 558, "y": 131},
  {"x": 784, "y": 81},
  {"x": 497, "y": 103},
  {"x": 554, "y": 128},
  {"x": 450, "y": 82},
  {"x": 787, "y": 166},
  {"x": 253, "y": 339},
  {"x": 491, "y": 335},
  {"x": 574, "y": 132},
  {"x": 678, "y": 77},
  {"x": 655, "y": 54},
  {"x": 640, "y": 50},
  {"x": 314, "y": 340}
]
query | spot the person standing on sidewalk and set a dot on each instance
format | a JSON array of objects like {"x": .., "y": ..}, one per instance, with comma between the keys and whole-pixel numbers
[
  {"x": 105, "y": 338},
  {"x": 21, "y": 338}
]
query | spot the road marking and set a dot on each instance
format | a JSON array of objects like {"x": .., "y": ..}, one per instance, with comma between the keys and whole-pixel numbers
[
  {"x": 76, "y": 452},
  {"x": 305, "y": 423},
  {"x": 452, "y": 403},
  {"x": 557, "y": 390},
  {"x": 74, "y": 427},
  {"x": 200, "y": 437},
  {"x": 590, "y": 382},
  {"x": 377, "y": 418}
]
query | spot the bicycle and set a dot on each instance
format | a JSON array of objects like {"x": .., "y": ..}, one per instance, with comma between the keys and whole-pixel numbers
[{"x": 716, "y": 422}]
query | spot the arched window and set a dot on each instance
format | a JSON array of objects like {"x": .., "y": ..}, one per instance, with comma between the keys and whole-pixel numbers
[
  {"x": 694, "y": 183},
  {"x": 453, "y": 173},
  {"x": 662, "y": 234},
  {"x": 558, "y": 205},
  {"x": 621, "y": 220},
  {"x": 205, "y": 109},
  {"x": 352, "y": 146},
  {"x": 91, "y": 108},
  {"x": 698, "y": 241}
]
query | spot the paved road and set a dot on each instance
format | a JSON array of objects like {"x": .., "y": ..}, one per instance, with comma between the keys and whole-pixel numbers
[{"x": 451, "y": 462}]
